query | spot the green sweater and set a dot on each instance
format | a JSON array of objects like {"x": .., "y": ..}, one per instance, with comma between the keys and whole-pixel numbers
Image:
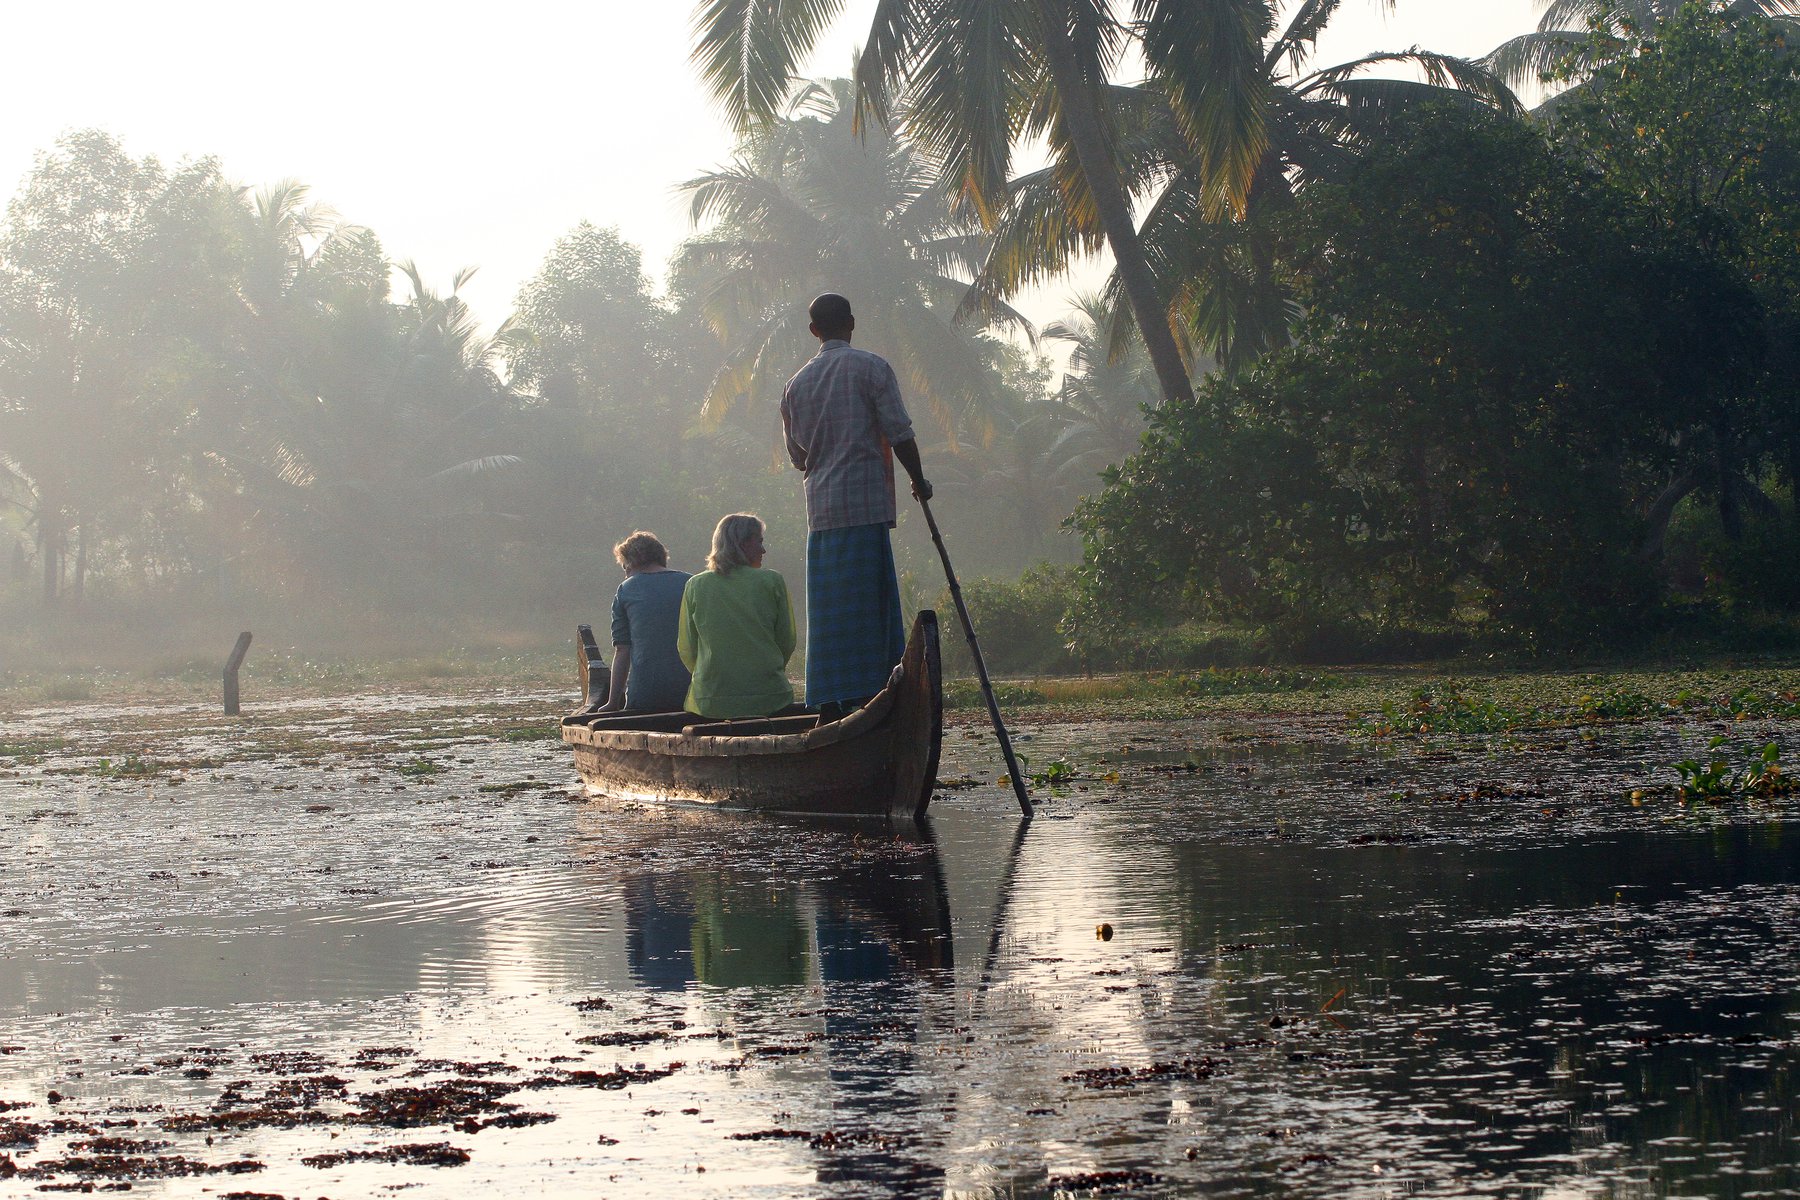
[{"x": 736, "y": 635}]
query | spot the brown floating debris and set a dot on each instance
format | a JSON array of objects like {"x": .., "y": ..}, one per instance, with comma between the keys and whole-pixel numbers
[
  {"x": 1106, "y": 1078},
  {"x": 421, "y": 1154}
]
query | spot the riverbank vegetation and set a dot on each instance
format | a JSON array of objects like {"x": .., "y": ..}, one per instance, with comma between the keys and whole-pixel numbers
[{"x": 1444, "y": 377}]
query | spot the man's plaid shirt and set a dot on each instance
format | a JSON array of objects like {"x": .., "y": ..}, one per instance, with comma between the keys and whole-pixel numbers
[{"x": 841, "y": 413}]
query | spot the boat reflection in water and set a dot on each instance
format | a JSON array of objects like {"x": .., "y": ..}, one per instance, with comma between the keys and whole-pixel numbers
[{"x": 828, "y": 979}]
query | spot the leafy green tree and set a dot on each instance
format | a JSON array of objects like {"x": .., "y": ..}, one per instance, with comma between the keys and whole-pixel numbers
[
  {"x": 1695, "y": 124},
  {"x": 614, "y": 372},
  {"x": 80, "y": 298},
  {"x": 396, "y": 448},
  {"x": 1577, "y": 38},
  {"x": 807, "y": 207},
  {"x": 1446, "y": 442},
  {"x": 591, "y": 321},
  {"x": 286, "y": 297}
]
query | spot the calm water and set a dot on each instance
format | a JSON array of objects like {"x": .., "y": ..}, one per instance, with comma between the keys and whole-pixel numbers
[{"x": 1330, "y": 972}]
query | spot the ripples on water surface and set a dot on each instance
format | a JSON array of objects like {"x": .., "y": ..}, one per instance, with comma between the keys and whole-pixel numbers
[{"x": 1469, "y": 971}]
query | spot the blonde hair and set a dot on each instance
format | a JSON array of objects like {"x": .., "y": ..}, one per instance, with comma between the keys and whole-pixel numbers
[
  {"x": 728, "y": 541},
  {"x": 642, "y": 549}
]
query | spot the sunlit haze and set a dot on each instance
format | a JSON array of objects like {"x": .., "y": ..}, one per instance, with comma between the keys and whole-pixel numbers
[{"x": 466, "y": 135}]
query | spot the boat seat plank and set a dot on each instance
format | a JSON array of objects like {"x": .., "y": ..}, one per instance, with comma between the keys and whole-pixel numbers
[
  {"x": 661, "y": 722},
  {"x": 752, "y": 726}
]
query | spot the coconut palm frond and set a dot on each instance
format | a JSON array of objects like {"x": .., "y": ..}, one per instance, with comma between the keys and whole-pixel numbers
[
  {"x": 1367, "y": 104},
  {"x": 1533, "y": 57},
  {"x": 892, "y": 42},
  {"x": 747, "y": 51},
  {"x": 1209, "y": 60},
  {"x": 829, "y": 212},
  {"x": 1442, "y": 72},
  {"x": 1298, "y": 40},
  {"x": 485, "y": 465},
  {"x": 966, "y": 99},
  {"x": 1036, "y": 238},
  {"x": 292, "y": 467}
]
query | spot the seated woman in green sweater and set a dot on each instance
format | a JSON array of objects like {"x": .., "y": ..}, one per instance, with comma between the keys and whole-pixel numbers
[{"x": 737, "y": 627}]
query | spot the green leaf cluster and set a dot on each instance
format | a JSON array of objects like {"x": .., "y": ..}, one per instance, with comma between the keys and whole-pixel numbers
[
  {"x": 1525, "y": 346},
  {"x": 1718, "y": 778}
]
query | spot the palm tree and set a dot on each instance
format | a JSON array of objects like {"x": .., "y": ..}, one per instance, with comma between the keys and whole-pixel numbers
[
  {"x": 1574, "y": 37},
  {"x": 1019, "y": 482},
  {"x": 1105, "y": 398},
  {"x": 806, "y": 208},
  {"x": 422, "y": 417},
  {"x": 1218, "y": 265},
  {"x": 961, "y": 78}
]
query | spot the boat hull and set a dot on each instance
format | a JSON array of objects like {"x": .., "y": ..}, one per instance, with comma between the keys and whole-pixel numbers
[{"x": 879, "y": 762}]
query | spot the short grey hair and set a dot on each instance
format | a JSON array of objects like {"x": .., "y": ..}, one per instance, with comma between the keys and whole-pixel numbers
[{"x": 728, "y": 541}]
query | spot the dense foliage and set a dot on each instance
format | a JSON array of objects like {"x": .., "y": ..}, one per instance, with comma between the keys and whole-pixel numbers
[{"x": 1523, "y": 347}]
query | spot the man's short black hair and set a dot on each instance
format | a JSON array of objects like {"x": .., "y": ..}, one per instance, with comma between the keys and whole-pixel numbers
[{"x": 831, "y": 313}]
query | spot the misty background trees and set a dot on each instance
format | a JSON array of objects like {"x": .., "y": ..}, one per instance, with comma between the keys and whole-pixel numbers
[{"x": 1458, "y": 370}]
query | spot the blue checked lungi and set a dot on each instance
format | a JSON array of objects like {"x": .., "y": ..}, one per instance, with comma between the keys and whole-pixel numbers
[{"x": 854, "y": 634}]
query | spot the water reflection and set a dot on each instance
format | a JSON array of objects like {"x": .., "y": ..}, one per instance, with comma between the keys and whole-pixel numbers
[
  {"x": 828, "y": 1010},
  {"x": 1617, "y": 1017},
  {"x": 729, "y": 928},
  {"x": 867, "y": 932}
]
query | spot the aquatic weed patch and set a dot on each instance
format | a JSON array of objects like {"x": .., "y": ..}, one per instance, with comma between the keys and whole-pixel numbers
[
  {"x": 1193, "y": 1070},
  {"x": 1452, "y": 707},
  {"x": 436, "y": 1104},
  {"x": 31, "y": 750},
  {"x": 966, "y": 694},
  {"x": 1448, "y": 709},
  {"x": 1242, "y": 681},
  {"x": 1747, "y": 703},
  {"x": 1755, "y": 774},
  {"x": 129, "y": 767},
  {"x": 531, "y": 733},
  {"x": 1055, "y": 773},
  {"x": 1212, "y": 683},
  {"x": 1101, "y": 1183}
]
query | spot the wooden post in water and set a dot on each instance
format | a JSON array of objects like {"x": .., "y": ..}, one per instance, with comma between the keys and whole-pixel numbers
[
  {"x": 231, "y": 669},
  {"x": 595, "y": 675}
]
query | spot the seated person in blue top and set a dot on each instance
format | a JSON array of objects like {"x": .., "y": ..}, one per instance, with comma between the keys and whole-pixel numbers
[{"x": 647, "y": 673}]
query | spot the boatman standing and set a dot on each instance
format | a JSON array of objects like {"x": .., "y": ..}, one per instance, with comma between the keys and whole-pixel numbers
[{"x": 845, "y": 426}]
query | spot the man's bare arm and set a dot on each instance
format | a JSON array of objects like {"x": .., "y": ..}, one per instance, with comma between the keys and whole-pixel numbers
[{"x": 907, "y": 453}]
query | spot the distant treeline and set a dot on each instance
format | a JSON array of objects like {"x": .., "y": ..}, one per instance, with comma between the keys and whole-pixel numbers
[
  {"x": 210, "y": 393},
  {"x": 1460, "y": 371}
]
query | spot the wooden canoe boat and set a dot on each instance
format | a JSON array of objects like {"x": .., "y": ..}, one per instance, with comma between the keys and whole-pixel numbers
[{"x": 880, "y": 761}]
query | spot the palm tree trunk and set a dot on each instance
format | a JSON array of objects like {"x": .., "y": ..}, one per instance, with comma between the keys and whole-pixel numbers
[
  {"x": 1662, "y": 510},
  {"x": 1081, "y": 121},
  {"x": 81, "y": 547},
  {"x": 50, "y": 551}
]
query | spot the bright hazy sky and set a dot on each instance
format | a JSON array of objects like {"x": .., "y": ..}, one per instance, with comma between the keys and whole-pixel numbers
[{"x": 464, "y": 134}]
